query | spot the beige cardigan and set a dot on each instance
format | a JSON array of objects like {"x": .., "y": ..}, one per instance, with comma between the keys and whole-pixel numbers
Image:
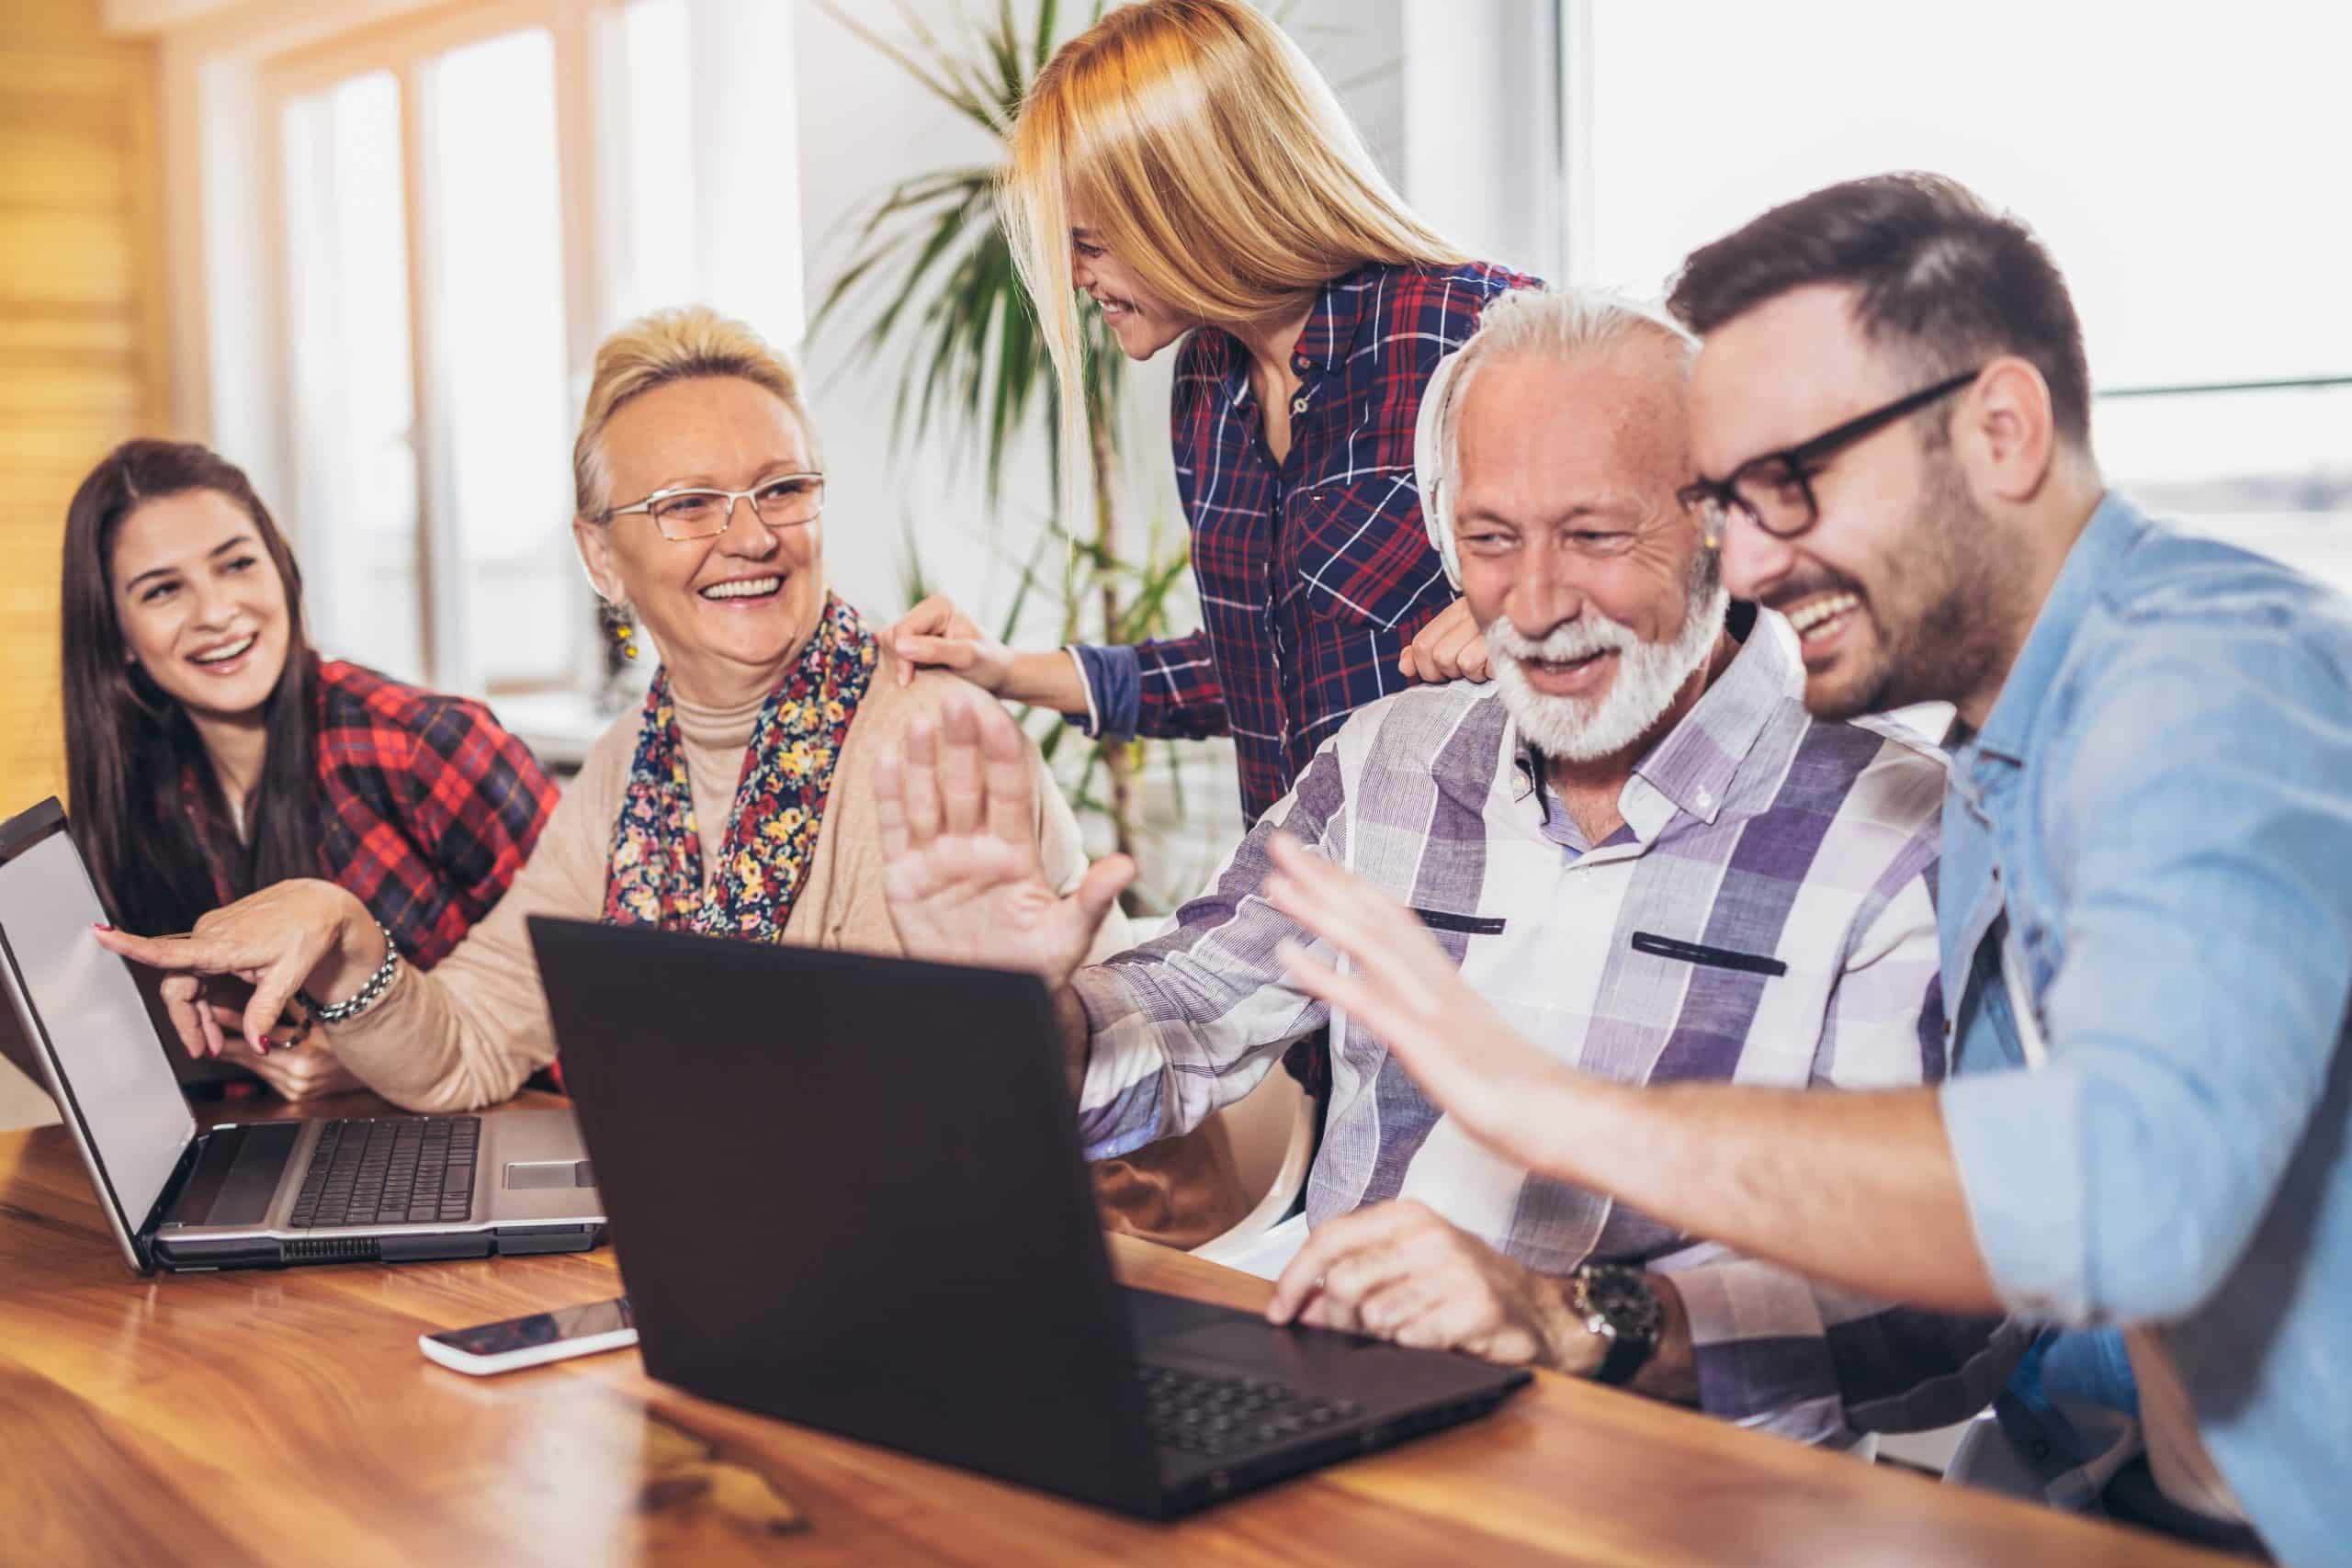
[{"x": 470, "y": 1031}]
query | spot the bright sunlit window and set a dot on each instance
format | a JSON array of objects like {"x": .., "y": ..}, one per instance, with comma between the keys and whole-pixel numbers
[
  {"x": 2147, "y": 150},
  {"x": 660, "y": 165},
  {"x": 466, "y": 203},
  {"x": 354, "y": 397},
  {"x": 496, "y": 260}
]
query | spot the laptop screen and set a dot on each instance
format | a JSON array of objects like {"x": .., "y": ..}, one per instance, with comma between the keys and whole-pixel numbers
[{"x": 84, "y": 1000}]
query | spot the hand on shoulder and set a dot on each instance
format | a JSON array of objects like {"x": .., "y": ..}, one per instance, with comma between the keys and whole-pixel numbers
[{"x": 937, "y": 635}]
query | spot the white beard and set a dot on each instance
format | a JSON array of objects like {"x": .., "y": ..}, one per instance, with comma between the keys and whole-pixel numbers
[{"x": 1649, "y": 674}]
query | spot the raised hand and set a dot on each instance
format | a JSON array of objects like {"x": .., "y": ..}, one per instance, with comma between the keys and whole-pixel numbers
[
  {"x": 957, "y": 804},
  {"x": 937, "y": 635},
  {"x": 287, "y": 937},
  {"x": 1402, "y": 987}
]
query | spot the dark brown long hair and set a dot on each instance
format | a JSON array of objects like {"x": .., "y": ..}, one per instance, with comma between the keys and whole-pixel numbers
[{"x": 127, "y": 743}]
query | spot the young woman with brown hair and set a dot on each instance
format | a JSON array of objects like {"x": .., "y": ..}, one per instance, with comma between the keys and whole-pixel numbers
[{"x": 211, "y": 752}]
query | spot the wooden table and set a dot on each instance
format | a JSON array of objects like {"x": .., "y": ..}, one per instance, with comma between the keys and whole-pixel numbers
[{"x": 285, "y": 1416}]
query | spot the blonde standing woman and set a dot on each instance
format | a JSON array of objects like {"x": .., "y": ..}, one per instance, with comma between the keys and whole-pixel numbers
[{"x": 1183, "y": 166}]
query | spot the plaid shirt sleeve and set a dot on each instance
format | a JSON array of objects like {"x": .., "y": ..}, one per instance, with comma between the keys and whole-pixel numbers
[
  {"x": 1780, "y": 1352},
  {"x": 481, "y": 801},
  {"x": 1178, "y": 695},
  {"x": 1192, "y": 1020},
  {"x": 433, "y": 808},
  {"x": 1165, "y": 689}
]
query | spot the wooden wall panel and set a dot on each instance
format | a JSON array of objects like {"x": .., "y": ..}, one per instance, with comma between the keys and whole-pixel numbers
[{"x": 81, "y": 355}]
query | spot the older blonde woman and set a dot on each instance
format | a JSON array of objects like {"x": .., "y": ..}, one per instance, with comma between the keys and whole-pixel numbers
[{"x": 739, "y": 801}]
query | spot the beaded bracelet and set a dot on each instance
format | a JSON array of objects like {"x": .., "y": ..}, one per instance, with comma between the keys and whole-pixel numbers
[{"x": 365, "y": 997}]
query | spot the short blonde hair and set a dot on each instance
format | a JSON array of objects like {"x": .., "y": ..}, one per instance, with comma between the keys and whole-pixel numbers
[
  {"x": 677, "y": 344},
  {"x": 1218, "y": 164}
]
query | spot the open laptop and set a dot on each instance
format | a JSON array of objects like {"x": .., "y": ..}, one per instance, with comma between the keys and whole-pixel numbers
[
  {"x": 259, "y": 1194},
  {"x": 915, "y": 1258}
]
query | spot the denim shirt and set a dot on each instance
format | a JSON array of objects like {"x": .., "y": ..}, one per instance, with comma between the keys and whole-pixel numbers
[{"x": 2151, "y": 838}]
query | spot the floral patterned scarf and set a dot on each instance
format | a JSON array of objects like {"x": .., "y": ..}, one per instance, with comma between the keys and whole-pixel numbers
[{"x": 655, "y": 877}]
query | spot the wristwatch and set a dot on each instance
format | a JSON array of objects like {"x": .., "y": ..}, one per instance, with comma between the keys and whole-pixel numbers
[{"x": 1617, "y": 1304}]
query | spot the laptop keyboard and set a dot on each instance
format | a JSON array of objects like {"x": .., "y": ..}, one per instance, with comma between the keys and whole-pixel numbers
[
  {"x": 1199, "y": 1414},
  {"x": 393, "y": 1170}
]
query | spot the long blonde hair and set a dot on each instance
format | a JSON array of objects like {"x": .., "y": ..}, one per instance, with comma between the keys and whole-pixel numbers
[
  {"x": 654, "y": 350},
  {"x": 1216, "y": 164}
]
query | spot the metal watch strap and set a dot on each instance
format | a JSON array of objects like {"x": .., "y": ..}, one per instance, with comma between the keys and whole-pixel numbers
[{"x": 365, "y": 997}]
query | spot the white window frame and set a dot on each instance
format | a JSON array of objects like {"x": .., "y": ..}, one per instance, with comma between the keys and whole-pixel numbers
[
  {"x": 406, "y": 48},
  {"x": 227, "y": 76},
  {"x": 1570, "y": 113}
]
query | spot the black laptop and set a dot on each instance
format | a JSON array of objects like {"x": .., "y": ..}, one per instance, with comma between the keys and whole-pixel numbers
[{"x": 911, "y": 1253}]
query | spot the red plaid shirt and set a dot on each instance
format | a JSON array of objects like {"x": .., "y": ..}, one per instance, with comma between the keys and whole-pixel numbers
[
  {"x": 429, "y": 807},
  {"x": 1314, "y": 572}
]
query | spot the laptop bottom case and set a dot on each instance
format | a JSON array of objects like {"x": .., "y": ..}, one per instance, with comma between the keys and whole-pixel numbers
[{"x": 253, "y": 1197}]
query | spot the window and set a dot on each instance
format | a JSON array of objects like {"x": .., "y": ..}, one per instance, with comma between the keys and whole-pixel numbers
[
  {"x": 494, "y": 257},
  {"x": 429, "y": 372},
  {"x": 355, "y": 397},
  {"x": 2156, "y": 157},
  {"x": 416, "y": 229}
]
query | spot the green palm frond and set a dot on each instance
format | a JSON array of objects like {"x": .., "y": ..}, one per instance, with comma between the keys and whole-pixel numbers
[{"x": 931, "y": 273}]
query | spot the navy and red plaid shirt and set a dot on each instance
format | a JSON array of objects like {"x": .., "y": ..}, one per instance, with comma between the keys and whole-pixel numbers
[
  {"x": 1316, "y": 571},
  {"x": 428, "y": 807}
]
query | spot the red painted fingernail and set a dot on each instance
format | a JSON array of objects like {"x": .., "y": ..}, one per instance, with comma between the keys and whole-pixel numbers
[{"x": 100, "y": 926}]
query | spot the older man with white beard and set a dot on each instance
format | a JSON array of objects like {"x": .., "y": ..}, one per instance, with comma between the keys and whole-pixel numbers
[{"x": 1635, "y": 843}]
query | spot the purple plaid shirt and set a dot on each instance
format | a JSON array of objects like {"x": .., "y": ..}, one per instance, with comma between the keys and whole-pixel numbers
[
  {"x": 1313, "y": 573},
  {"x": 1766, "y": 916}
]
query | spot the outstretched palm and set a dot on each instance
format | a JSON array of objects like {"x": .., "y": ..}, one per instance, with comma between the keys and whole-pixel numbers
[{"x": 958, "y": 805}]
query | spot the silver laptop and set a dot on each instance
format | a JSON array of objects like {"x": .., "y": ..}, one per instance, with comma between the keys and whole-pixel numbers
[{"x": 255, "y": 1194}]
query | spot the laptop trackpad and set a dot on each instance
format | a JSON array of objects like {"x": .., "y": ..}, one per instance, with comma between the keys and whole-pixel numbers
[
  {"x": 539, "y": 1175},
  {"x": 237, "y": 1174},
  {"x": 1250, "y": 1346}
]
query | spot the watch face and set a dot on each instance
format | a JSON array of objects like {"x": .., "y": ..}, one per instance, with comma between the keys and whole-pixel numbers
[{"x": 1623, "y": 1297}]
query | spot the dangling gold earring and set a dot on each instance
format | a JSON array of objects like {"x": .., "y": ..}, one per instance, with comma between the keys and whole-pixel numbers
[{"x": 626, "y": 634}]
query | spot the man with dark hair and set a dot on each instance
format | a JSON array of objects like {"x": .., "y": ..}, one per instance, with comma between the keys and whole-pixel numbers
[{"x": 2145, "y": 894}]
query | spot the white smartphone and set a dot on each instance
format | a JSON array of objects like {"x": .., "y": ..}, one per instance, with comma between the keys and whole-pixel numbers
[{"x": 489, "y": 1348}]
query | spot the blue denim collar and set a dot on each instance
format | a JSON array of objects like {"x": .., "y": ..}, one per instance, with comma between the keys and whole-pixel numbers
[{"x": 2009, "y": 730}]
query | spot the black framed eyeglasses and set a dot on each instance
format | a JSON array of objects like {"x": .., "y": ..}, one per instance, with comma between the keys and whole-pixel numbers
[
  {"x": 1775, "y": 491},
  {"x": 701, "y": 511}
]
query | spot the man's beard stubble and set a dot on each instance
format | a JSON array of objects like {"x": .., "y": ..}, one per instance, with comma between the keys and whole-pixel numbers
[{"x": 1946, "y": 637}]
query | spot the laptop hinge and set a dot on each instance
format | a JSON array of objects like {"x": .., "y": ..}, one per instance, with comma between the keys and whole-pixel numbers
[{"x": 173, "y": 1188}]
